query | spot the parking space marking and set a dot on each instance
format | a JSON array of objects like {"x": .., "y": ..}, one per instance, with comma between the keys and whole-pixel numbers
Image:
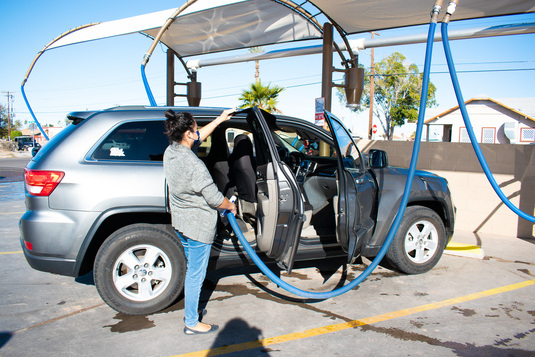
[
  {"x": 16, "y": 252},
  {"x": 356, "y": 323}
]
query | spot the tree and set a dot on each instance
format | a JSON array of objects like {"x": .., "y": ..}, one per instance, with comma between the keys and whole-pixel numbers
[
  {"x": 397, "y": 92},
  {"x": 3, "y": 121},
  {"x": 264, "y": 97},
  {"x": 15, "y": 133}
]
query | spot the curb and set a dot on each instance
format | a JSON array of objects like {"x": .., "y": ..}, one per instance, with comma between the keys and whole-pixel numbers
[{"x": 14, "y": 154}]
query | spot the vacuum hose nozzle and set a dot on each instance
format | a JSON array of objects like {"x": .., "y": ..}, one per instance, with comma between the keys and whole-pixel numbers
[
  {"x": 436, "y": 10},
  {"x": 452, "y": 6}
]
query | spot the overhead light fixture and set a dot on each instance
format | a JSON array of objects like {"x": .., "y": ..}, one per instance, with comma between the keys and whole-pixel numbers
[{"x": 354, "y": 86}]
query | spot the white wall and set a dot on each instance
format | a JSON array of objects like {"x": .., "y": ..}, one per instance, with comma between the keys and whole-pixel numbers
[{"x": 484, "y": 114}]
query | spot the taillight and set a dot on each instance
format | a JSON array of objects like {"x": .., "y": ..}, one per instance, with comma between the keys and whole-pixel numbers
[
  {"x": 28, "y": 245},
  {"x": 41, "y": 182}
]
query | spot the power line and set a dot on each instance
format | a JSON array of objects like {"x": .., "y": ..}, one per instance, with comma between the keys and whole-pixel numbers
[
  {"x": 465, "y": 71},
  {"x": 132, "y": 80},
  {"x": 319, "y": 82}
]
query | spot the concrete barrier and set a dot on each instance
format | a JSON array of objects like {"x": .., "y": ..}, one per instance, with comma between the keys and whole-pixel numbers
[{"x": 479, "y": 209}]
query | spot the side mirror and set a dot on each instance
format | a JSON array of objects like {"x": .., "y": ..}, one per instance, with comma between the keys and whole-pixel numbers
[{"x": 377, "y": 159}]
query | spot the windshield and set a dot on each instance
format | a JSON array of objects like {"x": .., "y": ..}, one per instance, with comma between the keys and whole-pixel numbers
[{"x": 299, "y": 141}]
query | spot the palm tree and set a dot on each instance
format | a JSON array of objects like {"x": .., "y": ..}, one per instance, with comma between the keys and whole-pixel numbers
[{"x": 264, "y": 97}]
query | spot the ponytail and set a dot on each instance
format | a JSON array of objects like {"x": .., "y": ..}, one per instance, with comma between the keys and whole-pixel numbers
[{"x": 177, "y": 124}]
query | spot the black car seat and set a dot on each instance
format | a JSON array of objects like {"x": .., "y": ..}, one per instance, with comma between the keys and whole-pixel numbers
[
  {"x": 217, "y": 163},
  {"x": 243, "y": 173}
]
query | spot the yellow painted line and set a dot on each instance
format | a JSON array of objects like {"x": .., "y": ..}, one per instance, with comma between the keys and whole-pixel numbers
[
  {"x": 461, "y": 246},
  {"x": 464, "y": 250},
  {"x": 17, "y": 252},
  {"x": 355, "y": 323}
]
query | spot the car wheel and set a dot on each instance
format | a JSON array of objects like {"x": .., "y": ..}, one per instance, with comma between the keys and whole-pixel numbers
[
  {"x": 140, "y": 269},
  {"x": 419, "y": 241}
]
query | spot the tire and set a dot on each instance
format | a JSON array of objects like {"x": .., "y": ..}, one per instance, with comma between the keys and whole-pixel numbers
[
  {"x": 140, "y": 255},
  {"x": 419, "y": 241}
]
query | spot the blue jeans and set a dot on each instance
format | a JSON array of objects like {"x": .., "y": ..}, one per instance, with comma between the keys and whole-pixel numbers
[{"x": 197, "y": 255}]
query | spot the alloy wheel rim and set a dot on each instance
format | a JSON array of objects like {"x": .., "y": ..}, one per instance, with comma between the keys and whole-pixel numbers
[
  {"x": 141, "y": 273},
  {"x": 421, "y": 242}
]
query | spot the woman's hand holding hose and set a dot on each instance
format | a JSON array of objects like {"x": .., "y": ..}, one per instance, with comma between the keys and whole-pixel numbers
[{"x": 228, "y": 205}]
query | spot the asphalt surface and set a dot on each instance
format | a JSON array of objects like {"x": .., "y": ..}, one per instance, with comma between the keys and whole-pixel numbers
[{"x": 463, "y": 307}]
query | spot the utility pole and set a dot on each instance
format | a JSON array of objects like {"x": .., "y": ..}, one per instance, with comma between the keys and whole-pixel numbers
[
  {"x": 372, "y": 77},
  {"x": 9, "y": 96}
]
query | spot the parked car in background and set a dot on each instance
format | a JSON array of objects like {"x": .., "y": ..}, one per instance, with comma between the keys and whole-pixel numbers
[
  {"x": 25, "y": 142},
  {"x": 96, "y": 199}
]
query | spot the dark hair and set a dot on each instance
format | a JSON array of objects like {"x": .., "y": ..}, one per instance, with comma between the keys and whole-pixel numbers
[{"x": 177, "y": 124}]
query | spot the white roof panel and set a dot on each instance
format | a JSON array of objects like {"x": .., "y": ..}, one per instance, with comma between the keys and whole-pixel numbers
[
  {"x": 238, "y": 25},
  {"x": 207, "y": 26},
  {"x": 355, "y": 16},
  {"x": 115, "y": 28}
]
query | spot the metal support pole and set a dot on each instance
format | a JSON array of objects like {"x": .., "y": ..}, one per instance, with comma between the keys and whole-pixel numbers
[
  {"x": 372, "y": 80},
  {"x": 327, "y": 77},
  {"x": 327, "y": 67},
  {"x": 9, "y": 97},
  {"x": 170, "y": 78}
]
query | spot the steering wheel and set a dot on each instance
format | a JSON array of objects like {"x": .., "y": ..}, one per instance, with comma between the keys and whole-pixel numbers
[
  {"x": 284, "y": 153},
  {"x": 295, "y": 160}
]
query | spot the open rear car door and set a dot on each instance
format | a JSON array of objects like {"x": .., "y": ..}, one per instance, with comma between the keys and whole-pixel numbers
[
  {"x": 356, "y": 192},
  {"x": 280, "y": 211}
]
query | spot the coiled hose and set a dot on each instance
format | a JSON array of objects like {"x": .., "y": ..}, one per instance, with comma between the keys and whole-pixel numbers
[
  {"x": 470, "y": 130},
  {"x": 395, "y": 225}
]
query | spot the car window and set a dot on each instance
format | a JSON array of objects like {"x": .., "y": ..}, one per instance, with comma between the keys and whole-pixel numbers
[
  {"x": 134, "y": 141},
  {"x": 350, "y": 154},
  {"x": 304, "y": 142},
  {"x": 232, "y": 133},
  {"x": 204, "y": 149}
]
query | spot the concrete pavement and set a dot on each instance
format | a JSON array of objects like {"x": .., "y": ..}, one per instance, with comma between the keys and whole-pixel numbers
[{"x": 463, "y": 307}]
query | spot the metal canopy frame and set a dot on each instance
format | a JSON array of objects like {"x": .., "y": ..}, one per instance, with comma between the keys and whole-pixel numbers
[
  {"x": 193, "y": 87},
  {"x": 209, "y": 26}
]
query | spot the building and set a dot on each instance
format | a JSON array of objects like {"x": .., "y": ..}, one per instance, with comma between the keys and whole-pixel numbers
[
  {"x": 50, "y": 131},
  {"x": 495, "y": 121}
]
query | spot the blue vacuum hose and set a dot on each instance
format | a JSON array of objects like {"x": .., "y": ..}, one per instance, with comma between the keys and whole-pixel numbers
[
  {"x": 473, "y": 139},
  {"x": 397, "y": 220},
  {"x": 152, "y": 101},
  {"x": 32, "y": 113}
]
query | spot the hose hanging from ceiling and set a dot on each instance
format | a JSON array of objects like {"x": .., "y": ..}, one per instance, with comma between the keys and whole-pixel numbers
[
  {"x": 39, "y": 54},
  {"x": 468, "y": 124},
  {"x": 403, "y": 205}
]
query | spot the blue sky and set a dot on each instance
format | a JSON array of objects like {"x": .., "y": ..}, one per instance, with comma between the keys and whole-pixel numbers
[{"x": 106, "y": 73}]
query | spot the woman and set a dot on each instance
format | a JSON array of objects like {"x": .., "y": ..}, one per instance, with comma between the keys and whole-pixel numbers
[{"x": 194, "y": 200}]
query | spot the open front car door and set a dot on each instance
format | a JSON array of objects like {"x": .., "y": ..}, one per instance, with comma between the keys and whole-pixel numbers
[
  {"x": 280, "y": 212},
  {"x": 356, "y": 192}
]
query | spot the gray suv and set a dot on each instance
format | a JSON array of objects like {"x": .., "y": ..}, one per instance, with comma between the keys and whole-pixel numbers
[{"x": 96, "y": 199}]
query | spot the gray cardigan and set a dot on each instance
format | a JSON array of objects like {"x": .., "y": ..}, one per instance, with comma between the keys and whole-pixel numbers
[{"x": 193, "y": 194}]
